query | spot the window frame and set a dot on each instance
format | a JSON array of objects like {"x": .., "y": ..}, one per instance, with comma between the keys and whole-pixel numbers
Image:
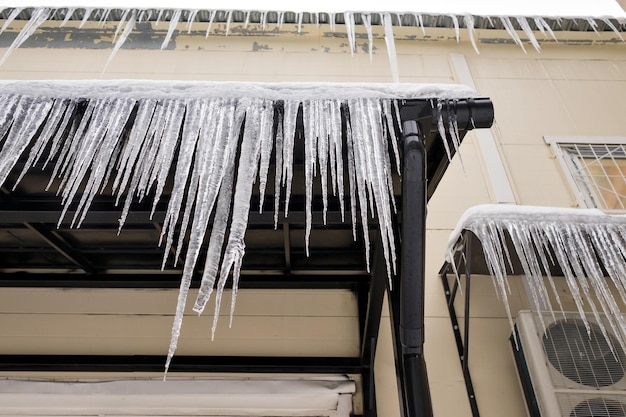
[{"x": 556, "y": 143}]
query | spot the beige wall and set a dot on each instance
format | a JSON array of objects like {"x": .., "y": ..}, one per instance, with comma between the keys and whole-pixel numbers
[{"x": 574, "y": 87}]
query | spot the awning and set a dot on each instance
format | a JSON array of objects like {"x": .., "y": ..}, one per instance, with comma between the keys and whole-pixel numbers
[{"x": 191, "y": 163}]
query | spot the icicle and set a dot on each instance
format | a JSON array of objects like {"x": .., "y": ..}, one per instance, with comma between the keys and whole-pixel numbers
[
  {"x": 27, "y": 119},
  {"x": 190, "y": 19},
  {"x": 88, "y": 11},
  {"x": 593, "y": 24},
  {"x": 211, "y": 155},
  {"x": 289, "y": 129},
  {"x": 233, "y": 119},
  {"x": 130, "y": 25},
  {"x": 68, "y": 14},
  {"x": 420, "y": 22},
  {"x": 267, "y": 144},
  {"x": 468, "y": 19},
  {"x": 349, "y": 22},
  {"x": 544, "y": 27},
  {"x": 39, "y": 16},
  {"x": 130, "y": 155},
  {"x": 105, "y": 15},
  {"x": 279, "y": 19},
  {"x": 258, "y": 124},
  {"x": 53, "y": 120},
  {"x": 310, "y": 156},
  {"x": 16, "y": 11},
  {"x": 529, "y": 32},
  {"x": 208, "y": 29},
  {"x": 442, "y": 129},
  {"x": 391, "y": 46},
  {"x": 367, "y": 22},
  {"x": 120, "y": 24},
  {"x": 331, "y": 21},
  {"x": 229, "y": 18},
  {"x": 322, "y": 121},
  {"x": 170, "y": 30},
  {"x": 613, "y": 28},
  {"x": 508, "y": 26},
  {"x": 300, "y": 16},
  {"x": 120, "y": 110},
  {"x": 159, "y": 17},
  {"x": 278, "y": 172},
  {"x": 457, "y": 31},
  {"x": 195, "y": 112}
]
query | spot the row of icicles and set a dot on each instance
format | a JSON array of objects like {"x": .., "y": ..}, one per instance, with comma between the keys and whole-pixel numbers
[
  {"x": 131, "y": 17},
  {"x": 197, "y": 142}
]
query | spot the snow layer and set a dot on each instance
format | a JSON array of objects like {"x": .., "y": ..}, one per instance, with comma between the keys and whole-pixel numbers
[
  {"x": 583, "y": 243},
  {"x": 146, "y": 89},
  {"x": 134, "y": 135}
]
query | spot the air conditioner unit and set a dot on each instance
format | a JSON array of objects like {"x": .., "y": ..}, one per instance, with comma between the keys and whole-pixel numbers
[{"x": 565, "y": 371}]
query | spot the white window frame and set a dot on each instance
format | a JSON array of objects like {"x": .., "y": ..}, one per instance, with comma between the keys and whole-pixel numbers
[{"x": 556, "y": 142}]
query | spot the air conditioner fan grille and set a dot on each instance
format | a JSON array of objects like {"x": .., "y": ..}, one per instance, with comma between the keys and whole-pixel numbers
[{"x": 587, "y": 359}]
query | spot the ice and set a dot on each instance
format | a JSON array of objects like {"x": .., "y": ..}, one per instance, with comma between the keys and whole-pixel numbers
[
  {"x": 191, "y": 18},
  {"x": 211, "y": 18},
  {"x": 172, "y": 26},
  {"x": 132, "y": 136},
  {"x": 88, "y": 11},
  {"x": 349, "y": 22},
  {"x": 68, "y": 14},
  {"x": 455, "y": 23},
  {"x": 14, "y": 13},
  {"x": 613, "y": 28},
  {"x": 38, "y": 16},
  {"x": 28, "y": 116},
  {"x": 529, "y": 32},
  {"x": 367, "y": 23},
  {"x": 289, "y": 131},
  {"x": 468, "y": 19},
  {"x": 229, "y": 18},
  {"x": 391, "y": 46},
  {"x": 508, "y": 26},
  {"x": 130, "y": 25},
  {"x": 581, "y": 242}
]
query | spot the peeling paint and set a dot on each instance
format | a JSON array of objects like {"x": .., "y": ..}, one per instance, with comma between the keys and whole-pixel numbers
[{"x": 259, "y": 47}]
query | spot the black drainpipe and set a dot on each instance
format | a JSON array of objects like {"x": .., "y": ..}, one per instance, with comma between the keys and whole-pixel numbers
[
  {"x": 419, "y": 120},
  {"x": 412, "y": 267}
]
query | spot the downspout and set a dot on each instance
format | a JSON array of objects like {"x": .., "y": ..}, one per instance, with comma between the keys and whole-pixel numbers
[
  {"x": 412, "y": 270},
  {"x": 418, "y": 122}
]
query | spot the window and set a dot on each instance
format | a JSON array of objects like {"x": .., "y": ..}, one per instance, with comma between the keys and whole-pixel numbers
[{"x": 596, "y": 169}]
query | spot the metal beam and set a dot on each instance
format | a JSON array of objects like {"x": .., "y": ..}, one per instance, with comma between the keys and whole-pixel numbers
[
  {"x": 196, "y": 364},
  {"x": 72, "y": 280},
  {"x": 18, "y": 213},
  {"x": 370, "y": 317},
  {"x": 61, "y": 246}
]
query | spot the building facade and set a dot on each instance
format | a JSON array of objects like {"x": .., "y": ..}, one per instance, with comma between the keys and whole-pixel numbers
[{"x": 558, "y": 110}]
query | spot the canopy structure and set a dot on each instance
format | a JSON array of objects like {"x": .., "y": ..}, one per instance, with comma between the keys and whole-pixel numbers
[
  {"x": 586, "y": 247},
  {"x": 195, "y": 165}
]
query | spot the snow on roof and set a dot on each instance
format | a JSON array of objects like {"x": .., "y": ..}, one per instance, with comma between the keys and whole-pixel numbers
[
  {"x": 560, "y": 8},
  {"x": 143, "y": 89}
]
